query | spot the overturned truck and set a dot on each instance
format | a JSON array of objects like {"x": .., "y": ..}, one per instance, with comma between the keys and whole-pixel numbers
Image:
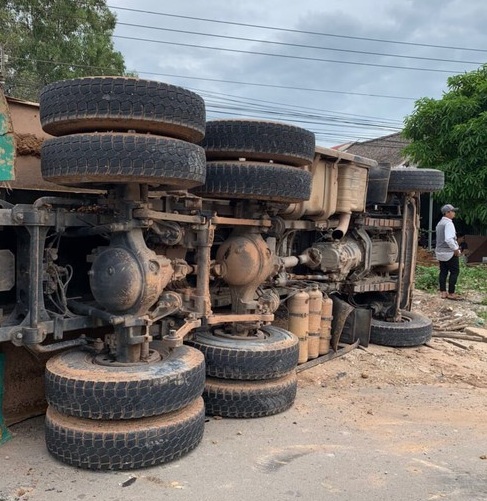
[{"x": 164, "y": 267}]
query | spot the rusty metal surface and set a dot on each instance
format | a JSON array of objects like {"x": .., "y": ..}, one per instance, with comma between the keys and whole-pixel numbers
[
  {"x": 341, "y": 350},
  {"x": 29, "y": 136},
  {"x": 231, "y": 318},
  {"x": 163, "y": 216},
  {"x": 230, "y": 221},
  {"x": 25, "y": 118}
]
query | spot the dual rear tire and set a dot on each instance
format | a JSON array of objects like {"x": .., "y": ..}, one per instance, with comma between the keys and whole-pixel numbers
[
  {"x": 249, "y": 377},
  {"x": 110, "y": 417},
  {"x": 257, "y": 161},
  {"x": 114, "y": 130}
]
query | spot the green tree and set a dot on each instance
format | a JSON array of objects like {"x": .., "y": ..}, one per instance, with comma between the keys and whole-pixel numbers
[
  {"x": 450, "y": 134},
  {"x": 49, "y": 40}
]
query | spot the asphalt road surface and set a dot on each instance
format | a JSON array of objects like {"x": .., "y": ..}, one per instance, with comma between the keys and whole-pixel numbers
[{"x": 393, "y": 443}]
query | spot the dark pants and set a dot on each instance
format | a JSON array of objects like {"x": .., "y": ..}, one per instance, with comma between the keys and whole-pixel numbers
[{"x": 452, "y": 266}]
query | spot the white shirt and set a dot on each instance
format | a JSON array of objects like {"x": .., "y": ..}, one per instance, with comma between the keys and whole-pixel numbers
[{"x": 446, "y": 239}]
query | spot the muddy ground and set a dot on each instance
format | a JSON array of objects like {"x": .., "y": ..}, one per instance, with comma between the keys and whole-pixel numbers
[{"x": 377, "y": 423}]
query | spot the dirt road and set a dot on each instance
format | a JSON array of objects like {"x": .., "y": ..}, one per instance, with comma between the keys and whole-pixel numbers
[
  {"x": 408, "y": 442},
  {"x": 380, "y": 423}
]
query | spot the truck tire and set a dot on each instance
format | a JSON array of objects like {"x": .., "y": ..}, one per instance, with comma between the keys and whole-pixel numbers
[
  {"x": 414, "y": 329},
  {"x": 121, "y": 104},
  {"x": 273, "y": 355},
  {"x": 249, "y": 399},
  {"x": 407, "y": 179},
  {"x": 76, "y": 385},
  {"x": 255, "y": 181},
  {"x": 124, "y": 445},
  {"x": 256, "y": 140},
  {"x": 101, "y": 159}
]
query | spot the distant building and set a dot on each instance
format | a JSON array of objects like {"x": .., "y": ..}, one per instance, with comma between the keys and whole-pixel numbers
[{"x": 383, "y": 149}]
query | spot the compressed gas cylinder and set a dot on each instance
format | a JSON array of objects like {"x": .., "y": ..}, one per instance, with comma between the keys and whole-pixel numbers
[
  {"x": 325, "y": 325},
  {"x": 315, "y": 307},
  {"x": 298, "y": 307}
]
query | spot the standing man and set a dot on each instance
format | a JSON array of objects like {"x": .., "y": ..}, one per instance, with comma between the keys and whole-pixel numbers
[{"x": 447, "y": 252}]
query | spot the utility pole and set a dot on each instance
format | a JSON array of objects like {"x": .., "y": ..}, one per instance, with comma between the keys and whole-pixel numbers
[{"x": 3, "y": 58}]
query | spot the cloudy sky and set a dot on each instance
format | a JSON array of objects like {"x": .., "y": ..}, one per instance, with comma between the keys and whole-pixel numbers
[{"x": 349, "y": 70}]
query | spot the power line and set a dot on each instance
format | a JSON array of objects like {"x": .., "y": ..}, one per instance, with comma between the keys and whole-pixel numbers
[
  {"x": 286, "y": 56},
  {"x": 247, "y": 101},
  {"x": 329, "y": 133},
  {"x": 314, "y": 116},
  {"x": 305, "y": 46},
  {"x": 290, "y": 30},
  {"x": 240, "y": 107},
  {"x": 236, "y": 111},
  {"x": 284, "y": 87},
  {"x": 236, "y": 82},
  {"x": 347, "y": 122},
  {"x": 335, "y": 124},
  {"x": 290, "y": 106}
]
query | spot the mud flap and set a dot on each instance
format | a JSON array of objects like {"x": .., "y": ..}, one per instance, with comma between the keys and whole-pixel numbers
[
  {"x": 341, "y": 311},
  {"x": 4, "y": 433},
  {"x": 357, "y": 327}
]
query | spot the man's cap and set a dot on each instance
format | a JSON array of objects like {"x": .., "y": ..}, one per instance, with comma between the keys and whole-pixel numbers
[{"x": 447, "y": 208}]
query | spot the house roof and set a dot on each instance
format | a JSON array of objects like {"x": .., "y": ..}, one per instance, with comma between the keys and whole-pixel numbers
[{"x": 383, "y": 149}]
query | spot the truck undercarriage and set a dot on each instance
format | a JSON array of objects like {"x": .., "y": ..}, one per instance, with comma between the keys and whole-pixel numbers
[{"x": 174, "y": 267}]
